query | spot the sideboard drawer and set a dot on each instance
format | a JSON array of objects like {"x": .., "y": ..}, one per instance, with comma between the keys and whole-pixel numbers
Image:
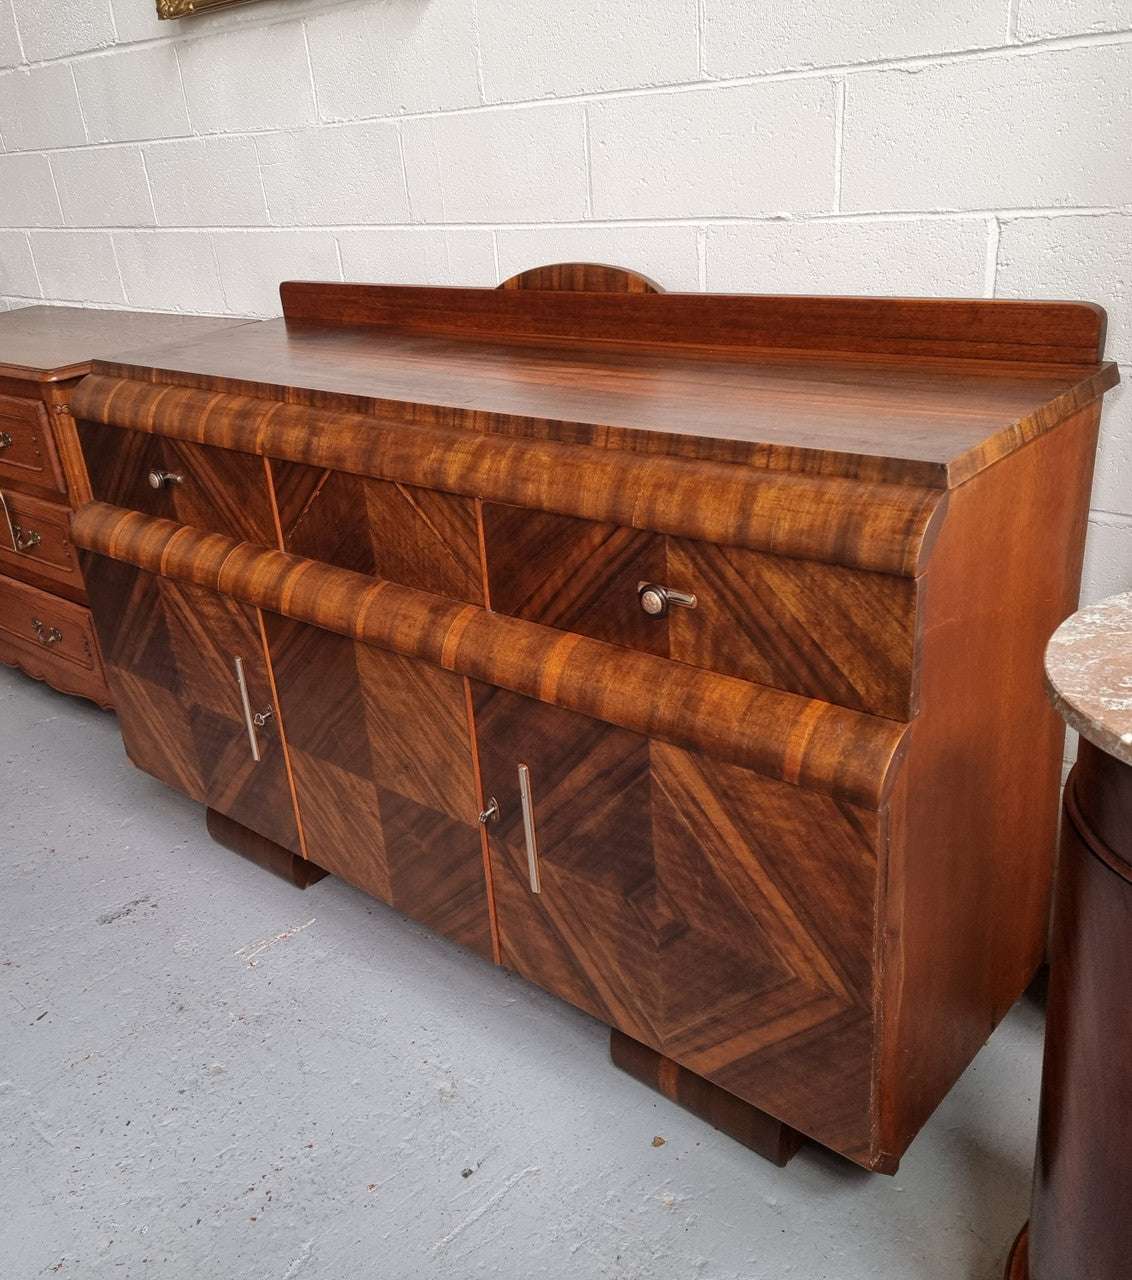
[
  {"x": 842, "y": 635},
  {"x": 196, "y": 484},
  {"x": 35, "y": 538},
  {"x": 399, "y": 532},
  {"x": 27, "y": 452}
]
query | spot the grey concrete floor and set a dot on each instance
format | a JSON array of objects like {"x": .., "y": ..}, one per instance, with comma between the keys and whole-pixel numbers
[{"x": 207, "y": 1073}]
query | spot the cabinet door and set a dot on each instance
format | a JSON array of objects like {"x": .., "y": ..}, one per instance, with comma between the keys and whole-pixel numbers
[
  {"x": 380, "y": 746},
  {"x": 175, "y": 655},
  {"x": 725, "y": 919},
  {"x": 589, "y": 933}
]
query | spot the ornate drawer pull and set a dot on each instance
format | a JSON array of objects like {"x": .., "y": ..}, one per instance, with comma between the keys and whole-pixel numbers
[
  {"x": 46, "y": 635},
  {"x": 529, "y": 827},
  {"x": 492, "y": 811},
  {"x": 656, "y": 599},
  {"x": 163, "y": 479},
  {"x": 24, "y": 541},
  {"x": 5, "y": 441}
]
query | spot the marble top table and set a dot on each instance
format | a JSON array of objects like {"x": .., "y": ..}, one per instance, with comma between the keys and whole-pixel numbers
[
  {"x": 1089, "y": 674},
  {"x": 1081, "y": 1210}
]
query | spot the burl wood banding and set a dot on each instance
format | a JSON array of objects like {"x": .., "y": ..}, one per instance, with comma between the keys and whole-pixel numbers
[{"x": 793, "y": 842}]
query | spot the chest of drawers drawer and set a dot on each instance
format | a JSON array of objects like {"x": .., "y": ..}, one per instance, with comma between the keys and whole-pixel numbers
[
  {"x": 27, "y": 452},
  {"x": 51, "y": 639},
  {"x": 35, "y": 540}
]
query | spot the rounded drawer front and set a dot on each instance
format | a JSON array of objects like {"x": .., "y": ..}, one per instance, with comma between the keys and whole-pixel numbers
[
  {"x": 841, "y": 635},
  {"x": 219, "y": 490},
  {"x": 35, "y": 539},
  {"x": 27, "y": 453}
]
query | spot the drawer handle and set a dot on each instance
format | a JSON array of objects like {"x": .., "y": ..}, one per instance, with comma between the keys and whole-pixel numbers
[
  {"x": 529, "y": 827},
  {"x": 46, "y": 635},
  {"x": 656, "y": 599},
  {"x": 492, "y": 811},
  {"x": 5, "y": 441},
  {"x": 249, "y": 719},
  {"x": 24, "y": 541},
  {"x": 163, "y": 479}
]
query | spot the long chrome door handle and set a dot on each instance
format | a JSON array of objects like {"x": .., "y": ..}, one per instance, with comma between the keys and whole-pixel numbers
[
  {"x": 249, "y": 719},
  {"x": 529, "y": 826}
]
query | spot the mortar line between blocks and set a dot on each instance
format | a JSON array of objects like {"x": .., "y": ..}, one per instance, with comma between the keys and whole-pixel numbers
[
  {"x": 838, "y": 143},
  {"x": 690, "y": 220},
  {"x": 1100, "y": 39},
  {"x": 587, "y": 161},
  {"x": 990, "y": 278}
]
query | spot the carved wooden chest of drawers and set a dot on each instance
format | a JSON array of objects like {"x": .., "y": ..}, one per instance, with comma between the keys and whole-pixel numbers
[
  {"x": 682, "y": 653},
  {"x": 45, "y": 626}
]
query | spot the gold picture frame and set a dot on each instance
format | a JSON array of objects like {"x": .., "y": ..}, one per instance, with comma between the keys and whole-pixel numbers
[{"x": 184, "y": 8}]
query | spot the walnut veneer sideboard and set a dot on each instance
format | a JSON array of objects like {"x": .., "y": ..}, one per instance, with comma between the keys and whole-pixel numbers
[
  {"x": 45, "y": 626},
  {"x": 680, "y": 652}
]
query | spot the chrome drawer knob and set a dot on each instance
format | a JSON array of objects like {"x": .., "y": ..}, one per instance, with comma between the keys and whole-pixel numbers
[
  {"x": 46, "y": 635},
  {"x": 5, "y": 441},
  {"x": 163, "y": 479},
  {"x": 655, "y": 599}
]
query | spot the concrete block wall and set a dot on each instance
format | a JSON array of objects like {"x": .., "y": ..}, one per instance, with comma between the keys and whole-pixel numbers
[{"x": 970, "y": 147}]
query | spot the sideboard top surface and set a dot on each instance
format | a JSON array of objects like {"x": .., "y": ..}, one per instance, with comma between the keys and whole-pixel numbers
[
  {"x": 50, "y": 344},
  {"x": 922, "y": 418}
]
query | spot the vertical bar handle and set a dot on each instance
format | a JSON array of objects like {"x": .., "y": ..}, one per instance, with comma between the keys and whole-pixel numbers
[
  {"x": 248, "y": 719},
  {"x": 529, "y": 826}
]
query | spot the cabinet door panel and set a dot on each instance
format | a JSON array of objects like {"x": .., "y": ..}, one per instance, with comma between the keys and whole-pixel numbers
[
  {"x": 766, "y": 914},
  {"x": 382, "y": 759},
  {"x": 724, "y": 919},
  {"x": 170, "y": 652},
  {"x": 589, "y": 935}
]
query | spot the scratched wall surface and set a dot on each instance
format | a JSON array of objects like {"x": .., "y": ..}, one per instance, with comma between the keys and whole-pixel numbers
[
  {"x": 208, "y": 1075},
  {"x": 966, "y": 147}
]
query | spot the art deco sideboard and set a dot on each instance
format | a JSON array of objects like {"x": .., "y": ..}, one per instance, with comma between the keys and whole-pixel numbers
[
  {"x": 680, "y": 652},
  {"x": 44, "y": 623}
]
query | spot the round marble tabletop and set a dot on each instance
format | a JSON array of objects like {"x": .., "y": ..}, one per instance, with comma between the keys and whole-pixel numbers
[{"x": 1089, "y": 674}]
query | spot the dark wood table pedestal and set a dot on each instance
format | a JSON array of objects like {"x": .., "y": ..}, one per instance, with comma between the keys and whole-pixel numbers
[{"x": 1081, "y": 1213}]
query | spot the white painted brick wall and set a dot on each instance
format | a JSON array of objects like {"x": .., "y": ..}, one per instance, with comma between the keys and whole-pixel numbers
[
  {"x": 40, "y": 108},
  {"x": 103, "y": 187},
  {"x": 963, "y": 148}
]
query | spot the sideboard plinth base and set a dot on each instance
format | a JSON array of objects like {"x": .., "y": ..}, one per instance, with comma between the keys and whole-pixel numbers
[
  {"x": 771, "y": 1138},
  {"x": 262, "y": 851}
]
